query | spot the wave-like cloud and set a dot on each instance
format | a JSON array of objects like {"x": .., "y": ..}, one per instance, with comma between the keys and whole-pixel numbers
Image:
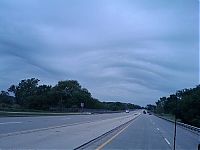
[{"x": 133, "y": 51}]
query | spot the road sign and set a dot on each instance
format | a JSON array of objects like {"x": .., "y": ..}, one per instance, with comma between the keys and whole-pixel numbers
[{"x": 82, "y": 105}]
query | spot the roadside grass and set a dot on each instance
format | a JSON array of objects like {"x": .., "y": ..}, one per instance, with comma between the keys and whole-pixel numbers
[
  {"x": 169, "y": 116},
  {"x": 26, "y": 114}
]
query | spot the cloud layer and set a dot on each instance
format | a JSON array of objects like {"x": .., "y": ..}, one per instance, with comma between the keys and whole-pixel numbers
[{"x": 121, "y": 50}]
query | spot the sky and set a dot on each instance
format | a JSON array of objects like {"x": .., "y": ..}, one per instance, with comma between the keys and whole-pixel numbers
[{"x": 120, "y": 50}]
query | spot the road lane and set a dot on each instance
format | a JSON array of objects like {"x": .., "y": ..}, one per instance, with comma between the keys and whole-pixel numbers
[
  {"x": 141, "y": 134},
  {"x": 30, "y": 123},
  {"x": 151, "y": 132},
  {"x": 68, "y": 137},
  {"x": 145, "y": 132},
  {"x": 185, "y": 139}
]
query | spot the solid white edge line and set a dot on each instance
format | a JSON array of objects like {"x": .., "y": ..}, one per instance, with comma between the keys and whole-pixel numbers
[
  {"x": 9, "y": 122},
  {"x": 167, "y": 141}
]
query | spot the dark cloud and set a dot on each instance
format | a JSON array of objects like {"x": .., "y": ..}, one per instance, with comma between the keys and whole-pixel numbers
[{"x": 121, "y": 50}]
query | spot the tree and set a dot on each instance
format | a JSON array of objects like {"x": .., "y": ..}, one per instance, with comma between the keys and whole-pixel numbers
[
  {"x": 151, "y": 107},
  {"x": 160, "y": 105},
  {"x": 65, "y": 94},
  {"x": 24, "y": 89},
  {"x": 5, "y": 98},
  {"x": 188, "y": 105}
]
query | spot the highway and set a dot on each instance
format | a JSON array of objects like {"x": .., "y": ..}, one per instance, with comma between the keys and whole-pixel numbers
[
  {"x": 57, "y": 132},
  {"x": 68, "y": 132},
  {"x": 149, "y": 132},
  {"x": 14, "y": 124}
]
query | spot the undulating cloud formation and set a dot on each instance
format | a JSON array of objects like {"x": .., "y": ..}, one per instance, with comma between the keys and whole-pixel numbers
[{"x": 121, "y": 50}]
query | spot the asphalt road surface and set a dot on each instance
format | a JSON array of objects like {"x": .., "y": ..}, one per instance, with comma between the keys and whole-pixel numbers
[
  {"x": 146, "y": 132},
  {"x": 149, "y": 132},
  {"x": 15, "y": 124},
  {"x": 75, "y": 130}
]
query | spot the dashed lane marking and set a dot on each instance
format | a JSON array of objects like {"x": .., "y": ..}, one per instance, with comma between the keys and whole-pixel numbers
[{"x": 167, "y": 141}]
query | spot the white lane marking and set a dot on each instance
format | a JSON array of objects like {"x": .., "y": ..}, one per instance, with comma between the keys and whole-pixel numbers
[
  {"x": 158, "y": 129},
  {"x": 152, "y": 122},
  {"x": 9, "y": 122},
  {"x": 66, "y": 118},
  {"x": 167, "y": 141},
  {"x": 87, "y": 117}
]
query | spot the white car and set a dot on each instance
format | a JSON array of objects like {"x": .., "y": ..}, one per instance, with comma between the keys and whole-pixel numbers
[{"x": 127, "y": 111}]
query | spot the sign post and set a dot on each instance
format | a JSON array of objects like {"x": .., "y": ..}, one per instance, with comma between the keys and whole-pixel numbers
[{"x": 82, "y": 106}]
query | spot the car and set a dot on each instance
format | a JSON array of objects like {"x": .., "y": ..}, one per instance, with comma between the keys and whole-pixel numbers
[
  {"x": 144, "y": 112},
  {"x": 127, "y": 111}
]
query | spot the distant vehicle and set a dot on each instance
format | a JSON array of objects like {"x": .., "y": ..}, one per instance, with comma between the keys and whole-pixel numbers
[
  {"x": 149, "y": 113},
  {"x": 127, "y": 111},
  {"x": 144, "y": 112}
]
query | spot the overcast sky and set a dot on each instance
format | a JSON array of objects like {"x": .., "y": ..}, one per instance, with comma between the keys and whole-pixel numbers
[{"x": 121, "y": 50}]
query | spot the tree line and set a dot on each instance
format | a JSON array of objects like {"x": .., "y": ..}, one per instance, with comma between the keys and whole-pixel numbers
[
  {"x": 28, "y": 94},
  {"x": 184, "y": 103}
]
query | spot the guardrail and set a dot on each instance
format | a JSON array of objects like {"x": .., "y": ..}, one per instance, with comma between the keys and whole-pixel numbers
[{"x": 187, "y": 126}]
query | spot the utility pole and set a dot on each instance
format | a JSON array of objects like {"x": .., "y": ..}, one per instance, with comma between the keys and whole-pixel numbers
[{"x": 175, "y": 120}]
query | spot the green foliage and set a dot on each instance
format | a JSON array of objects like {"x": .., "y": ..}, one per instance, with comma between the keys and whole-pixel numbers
[
  {"x": 5, "y": 99},
  {"x": 65, "y": 94},
  {"x": 188, "y": 105},
  {"x": 114, "y": 106},
  {"x": 24, "y": 89},
  {"x": 151, "y": 107}
]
